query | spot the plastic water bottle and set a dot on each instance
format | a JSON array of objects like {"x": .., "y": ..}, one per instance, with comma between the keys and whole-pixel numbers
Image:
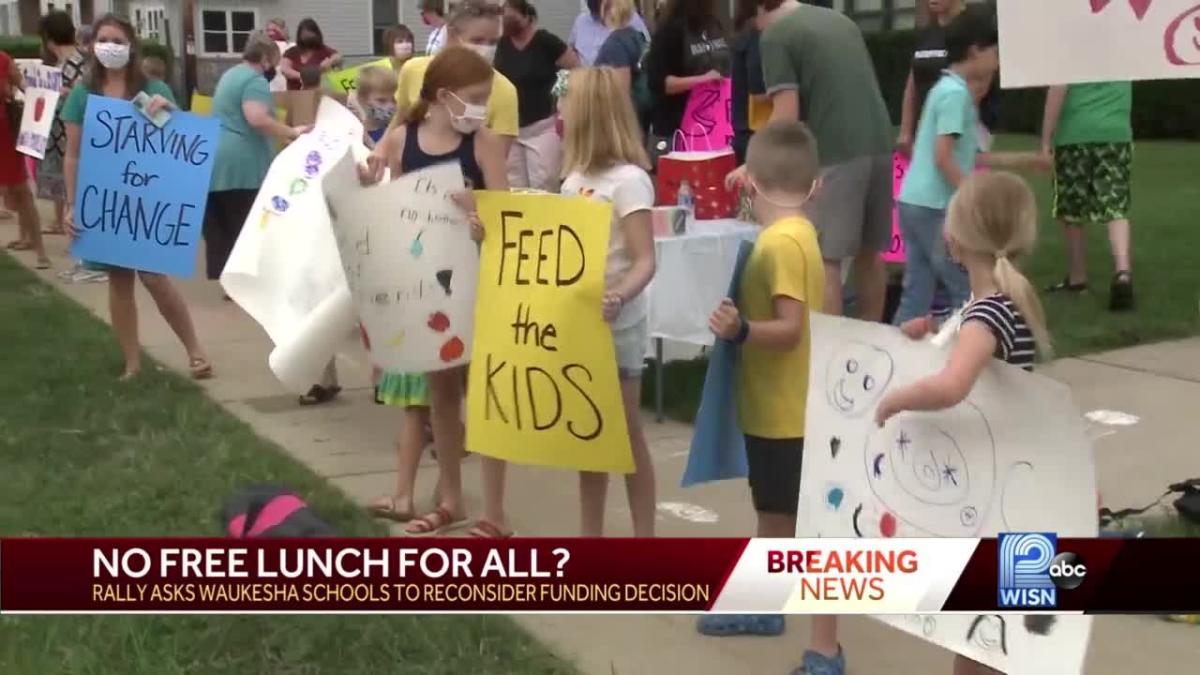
[{"x": 686, "y": 200}]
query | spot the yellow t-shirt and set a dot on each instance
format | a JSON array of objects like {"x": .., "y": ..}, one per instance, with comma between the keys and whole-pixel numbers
[
  {"x": 772, "y": 385},
  {"x": 501, "y": 106}
]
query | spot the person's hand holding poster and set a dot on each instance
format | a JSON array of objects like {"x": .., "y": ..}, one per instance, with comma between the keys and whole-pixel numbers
[
  {"x": 43, "y": 86},
  {"x": 142, "y": 190},
  {"x": 543, "y": 383}
]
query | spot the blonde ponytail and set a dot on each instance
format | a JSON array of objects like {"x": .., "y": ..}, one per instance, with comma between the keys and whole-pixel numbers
[
  {"x": 995, "y": 214},
  {"x": 1012, "y": 283}
]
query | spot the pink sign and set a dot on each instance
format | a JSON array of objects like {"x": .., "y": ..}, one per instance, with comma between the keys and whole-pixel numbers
[
  {"x": 895, "y": 253},
  {"x": 707, "y": 122}
]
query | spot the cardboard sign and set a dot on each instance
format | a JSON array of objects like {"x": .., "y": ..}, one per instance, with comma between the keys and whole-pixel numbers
[
  {"x": 1073, "y": 41},
  {"x": 410, "y": 263},
  {"x": 142, "y": 190},
  {"x": 895, "y": 252},
  {"x": 1013, "y": 457},
  {"x": 345, "y": 81},
  {"x": 543, "y": 378},
  {"x": 43, "y": 86},
  {"x": 707, "y": 120}
]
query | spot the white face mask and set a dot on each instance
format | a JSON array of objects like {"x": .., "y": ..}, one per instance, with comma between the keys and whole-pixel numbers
[
  {"x": 111, "y": 54},
  {"x": 402, "y": 49},
  {"x": 471, "y": 119},
  {"x": 488, "y": 52}
]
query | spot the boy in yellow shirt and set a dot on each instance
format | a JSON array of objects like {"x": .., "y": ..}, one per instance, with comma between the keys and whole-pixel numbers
[{"x": 783, "y": 282}]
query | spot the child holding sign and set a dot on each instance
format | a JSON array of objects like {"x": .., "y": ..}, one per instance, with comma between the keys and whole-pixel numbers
[
  {"x": 605, "y": 159},
  {"x": 445, "y": 125},
  {"x": 115, "y": 70}
]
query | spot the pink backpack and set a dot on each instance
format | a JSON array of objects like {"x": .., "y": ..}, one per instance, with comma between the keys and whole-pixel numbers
[{"x": 271, "y": 511}]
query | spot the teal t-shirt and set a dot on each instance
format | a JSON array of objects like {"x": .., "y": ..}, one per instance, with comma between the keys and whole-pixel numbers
[
  {"x": 75, "y": 109},
  {"x": 1096, "y": 113},
  {"x": 949, "y": 111},
  {"x": 243, "y": 154}
]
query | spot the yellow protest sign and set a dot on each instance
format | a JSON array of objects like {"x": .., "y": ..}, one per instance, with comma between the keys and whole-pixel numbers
[
  {"x": 543, "y": 379},
  {"x": 343, "y": 81},
  {"x": 201, "y": 104}
]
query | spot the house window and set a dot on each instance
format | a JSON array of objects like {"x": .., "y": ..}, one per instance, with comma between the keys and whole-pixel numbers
[
  {"x": 225, "y": 31},
  {"x": 150, "y": 21},
  {"x": 71, "y": 8},
  {"x": 10, "y": 21},
  {"x": 385, "y": 14}
]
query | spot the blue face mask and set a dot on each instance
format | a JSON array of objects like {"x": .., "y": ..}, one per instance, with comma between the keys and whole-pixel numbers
[{"x": 381, "y": 113}]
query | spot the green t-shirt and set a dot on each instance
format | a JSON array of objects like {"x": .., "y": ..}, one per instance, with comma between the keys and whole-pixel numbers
[
  {"x": 1096, "y": 113},
  {"x": 243, "y": 154},
  {"x": 821, "y": 54},
  {"x": 75, "y": 109}
]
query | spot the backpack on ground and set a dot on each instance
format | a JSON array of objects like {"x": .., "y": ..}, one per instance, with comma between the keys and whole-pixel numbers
[
  {"x": 271, "y": 511},
  {"x": 1188, "y": 503}
]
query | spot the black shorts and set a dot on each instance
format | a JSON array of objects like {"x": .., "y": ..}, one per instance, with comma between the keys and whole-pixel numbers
[{"x": 775, "y": 473}]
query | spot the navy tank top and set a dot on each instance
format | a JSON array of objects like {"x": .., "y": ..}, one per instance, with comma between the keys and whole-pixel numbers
[{"x": 415, "y": 159}]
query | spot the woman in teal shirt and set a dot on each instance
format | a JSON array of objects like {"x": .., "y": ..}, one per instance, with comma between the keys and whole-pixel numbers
[
  {"x": 243, "y": 104},
  {"x": 115, "y": 70}
]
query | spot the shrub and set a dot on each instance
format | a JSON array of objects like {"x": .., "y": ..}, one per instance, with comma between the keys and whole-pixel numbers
[
  {"x": 21, "y": 46},
  {"x": 1161, "y": 108}
]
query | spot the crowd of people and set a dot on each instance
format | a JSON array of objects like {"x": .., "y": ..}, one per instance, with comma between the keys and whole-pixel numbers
[{"x": 815, "y": 145}]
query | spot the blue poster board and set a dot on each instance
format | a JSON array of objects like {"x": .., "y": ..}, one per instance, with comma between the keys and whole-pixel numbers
[
  {"x": 718, "y": 449},
  {"x": 142, "y": 190}
]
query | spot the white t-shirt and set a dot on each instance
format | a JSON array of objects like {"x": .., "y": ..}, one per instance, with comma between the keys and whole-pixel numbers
[
  {"x": 629, "y": 189},
  {"x": 437, "y": 40},
  {"x": 280, "y": 82}
]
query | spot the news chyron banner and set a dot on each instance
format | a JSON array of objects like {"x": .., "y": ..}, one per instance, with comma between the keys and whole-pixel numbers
[{"x": 1029, "y": 573}]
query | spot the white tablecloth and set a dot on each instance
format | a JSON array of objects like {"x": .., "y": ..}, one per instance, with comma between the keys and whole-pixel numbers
[{"x": 694, "y": 270}]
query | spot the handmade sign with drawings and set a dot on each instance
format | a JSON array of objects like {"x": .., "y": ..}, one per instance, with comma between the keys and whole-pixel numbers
[
  {"x": 1070, "y": 41},
  {"x": 284, "y": 270},
  {"x": 410, "y": 264},
  {"x": 543, "y": 382},
  {"x": 1012, "y": 457},
  {"x": 43, "y": 86},
  {"x": 141, "y": 191}
]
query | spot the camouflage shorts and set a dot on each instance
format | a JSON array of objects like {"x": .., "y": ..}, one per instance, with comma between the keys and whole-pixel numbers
[{"x": 1091, "y": 182}]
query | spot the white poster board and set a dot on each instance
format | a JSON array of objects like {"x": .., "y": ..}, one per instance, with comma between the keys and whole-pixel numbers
[
  {"x": 1048, "y": 42},
  {"x": 284, "y": 270},
  {"x": 43, "y": 86},
  {"x": 1013, "y": 457},
  {"x": 410, "y": 263}
]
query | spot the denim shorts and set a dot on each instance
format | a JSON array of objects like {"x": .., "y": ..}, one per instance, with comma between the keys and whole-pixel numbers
[{"x": 631, "y": 343}]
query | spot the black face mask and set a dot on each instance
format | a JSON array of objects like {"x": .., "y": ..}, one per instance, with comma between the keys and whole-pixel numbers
[
  {"x": 269, "y": 73},
  {"x": 310, "y": 42}
]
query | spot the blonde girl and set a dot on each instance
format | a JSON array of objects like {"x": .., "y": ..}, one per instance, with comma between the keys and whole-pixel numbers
[
  {"x": 375, "y": 94},
  {"x": 115, "y": 70},
  {"x": 604, "y": 159},
  {"x": 444, "y": 125}
]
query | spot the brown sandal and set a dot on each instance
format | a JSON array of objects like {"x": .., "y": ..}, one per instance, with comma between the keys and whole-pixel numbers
[
  {"x": 435, "y": 523},
  {"x": 200, "y": 369},
  {"x": 486, "y": 529},
  {"x": 385, "y": 508}
]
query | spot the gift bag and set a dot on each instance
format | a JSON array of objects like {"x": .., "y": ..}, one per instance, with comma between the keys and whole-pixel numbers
[
  {"x": 708, "y": 114},
  {"x": 705, "y": 173}
]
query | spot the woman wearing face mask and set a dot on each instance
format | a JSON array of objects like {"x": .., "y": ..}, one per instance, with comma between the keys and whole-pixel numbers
[
  {"x": 444, "y": 124},
  {"x": 400, "y": 39},
  {"x": 530, "y": 58},
  {"x": 475, "y": 25},
  {"x": 115, "y": 70},
  {"x": 243, "y": 104},
  {"x": 310, "y": 51}
]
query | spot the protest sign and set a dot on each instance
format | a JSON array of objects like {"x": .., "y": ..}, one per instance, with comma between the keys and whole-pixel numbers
[
  {"x": 345, "y": 81},
  {"x": 707, "y": 120},
  {"x": 284, "y": 270},
  {"x": 1072, "y": 41},
  {"x": 141, "y": 192},
  {"x": 895, "y": 252},
  {"x": 201, "y": 104},
  {"x": 543, "y": 380},
  {"x": 410, "y": 264},
  {"x": 1012, "y": 457},
  {"x": 43, "y": 86}
]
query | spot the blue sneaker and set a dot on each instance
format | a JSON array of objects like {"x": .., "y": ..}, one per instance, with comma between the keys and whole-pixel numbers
[
  {"x": 729, "y": 625},
  {"x": 819, "y": 664}
]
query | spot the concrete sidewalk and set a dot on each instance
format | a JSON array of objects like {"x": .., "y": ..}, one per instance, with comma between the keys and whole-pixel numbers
[{"x": 350, "y": 442}]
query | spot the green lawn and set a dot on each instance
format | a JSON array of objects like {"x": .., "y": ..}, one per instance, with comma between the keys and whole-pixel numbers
[
  {"x": 1166, "y": 247},
  {"x": 83, "y": 455}
]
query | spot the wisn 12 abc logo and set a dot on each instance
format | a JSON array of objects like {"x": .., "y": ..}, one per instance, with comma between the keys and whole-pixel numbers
[{"x": 1032, "y": 571}]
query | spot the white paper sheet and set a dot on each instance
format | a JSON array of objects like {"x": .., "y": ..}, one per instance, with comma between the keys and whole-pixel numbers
[
  {"x": 1013, "y": 457},
  {"x": 300, "y": 361},
  {"x": 410, "y": 264}
]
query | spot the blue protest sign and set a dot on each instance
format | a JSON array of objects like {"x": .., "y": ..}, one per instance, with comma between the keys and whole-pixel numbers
[
  {"x": 718, "y": 449},
  {"x": 141, "y": 190}
]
